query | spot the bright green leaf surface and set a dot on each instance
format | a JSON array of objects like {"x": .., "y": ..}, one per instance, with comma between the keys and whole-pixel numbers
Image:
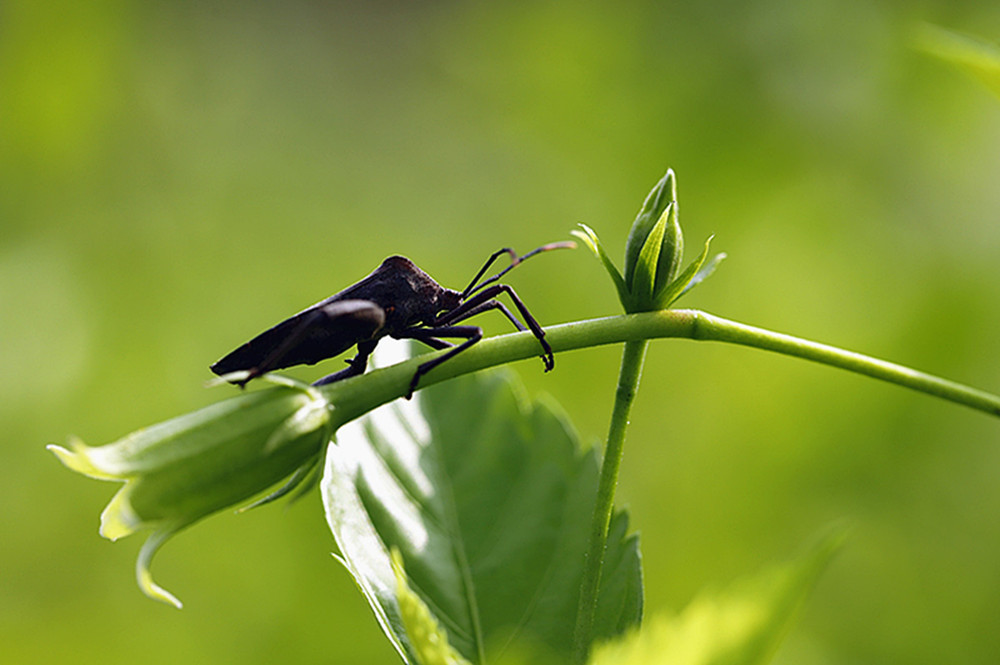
[
  {"x": 975, "y": 56},
  {"x": 740, "y": 625},
  {"x": 488, "y": 498},
  {"x": 425, "y": 635}
]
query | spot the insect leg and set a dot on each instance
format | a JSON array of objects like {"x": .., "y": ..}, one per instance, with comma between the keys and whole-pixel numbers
[
  {"x": 471, "y": 334},
  {"x": 355, "y": 366},
  {"x": 461, "y": 313},
  {"x": 480, "y": 302},
  {"x": 434, "y": 342}
]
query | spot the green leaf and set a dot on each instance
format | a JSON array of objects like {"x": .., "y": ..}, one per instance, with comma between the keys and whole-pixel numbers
[
  {"x": 979, "y": 58},
  {"x": 590, "y": 239},
  {"x": 428, "y": 639},
  {"x": 741, "y": 625},
  {"x": 688, "y": 279},
  {"x": 703, "y": 273},
  {"x": 488, "y": 498},
  {"x": 644, "y": 280}
]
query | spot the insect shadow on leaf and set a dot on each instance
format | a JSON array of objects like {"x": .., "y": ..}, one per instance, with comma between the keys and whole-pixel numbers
[{"x": 397, "y": 300}]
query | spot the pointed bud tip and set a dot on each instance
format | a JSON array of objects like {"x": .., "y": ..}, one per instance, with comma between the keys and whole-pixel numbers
[
  {"x": 77, "y": 456},
  {"x": 69, "y": 458}
]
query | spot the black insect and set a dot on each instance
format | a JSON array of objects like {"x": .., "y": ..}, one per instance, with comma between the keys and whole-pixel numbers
[{"x": 398, "y": 300}]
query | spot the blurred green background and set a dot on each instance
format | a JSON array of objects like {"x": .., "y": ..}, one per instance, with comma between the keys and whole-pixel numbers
[{"x": 175, "y": 177}]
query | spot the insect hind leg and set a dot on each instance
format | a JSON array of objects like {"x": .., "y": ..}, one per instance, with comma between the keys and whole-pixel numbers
[
  {"x": 471, "y": 335},
  {"x": 355, "y": 366}
]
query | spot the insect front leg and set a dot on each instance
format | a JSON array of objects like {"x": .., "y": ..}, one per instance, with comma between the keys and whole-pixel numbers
[
  {"x": 471, "y": 334},
  {"x": 461, "y": 313},
  {"x": 486, "y": 299}
]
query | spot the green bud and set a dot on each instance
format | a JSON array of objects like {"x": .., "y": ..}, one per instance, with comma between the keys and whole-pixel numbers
[
  {"x": 181, "y": 470},
  {"x": 655, "y": 245},
  {"x": 652, "y": 279}
]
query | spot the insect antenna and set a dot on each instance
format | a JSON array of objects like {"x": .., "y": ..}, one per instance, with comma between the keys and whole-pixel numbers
[
  {"x": 493, "y": 257},
  {"x": 476, "y": 285}
]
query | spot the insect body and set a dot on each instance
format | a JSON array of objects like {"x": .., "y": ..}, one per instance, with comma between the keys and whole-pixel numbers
[{"x": 398, "y": 300}]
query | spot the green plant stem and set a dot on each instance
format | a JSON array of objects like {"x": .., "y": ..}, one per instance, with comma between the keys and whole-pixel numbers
[
  {"x": 628, "y": 383},
  {"x": 356, "y": 396}
]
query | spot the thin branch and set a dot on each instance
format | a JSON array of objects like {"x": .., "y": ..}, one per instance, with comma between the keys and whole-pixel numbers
[{"x": 356, "y": 396}]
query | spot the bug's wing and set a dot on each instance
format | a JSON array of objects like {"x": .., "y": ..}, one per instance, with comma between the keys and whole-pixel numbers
[{"x": 320, "y": 332}]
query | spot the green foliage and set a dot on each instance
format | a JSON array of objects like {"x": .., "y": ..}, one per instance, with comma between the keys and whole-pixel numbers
[
  {"x": 177, "y": 172},
  {"x": 425, "y": 635},
  {"x": 481, "y": 494},
  {"x": 740, "y": 625},
  {"x": 487, "y": 497},
  {"x": 977, "y": 57}
]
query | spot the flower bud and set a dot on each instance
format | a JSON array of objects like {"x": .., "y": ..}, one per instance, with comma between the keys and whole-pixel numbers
[
  {"x": 652, "y": 280},
  {"x": 181, "y": 470},
  {"x": 654, "y": 246}
]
